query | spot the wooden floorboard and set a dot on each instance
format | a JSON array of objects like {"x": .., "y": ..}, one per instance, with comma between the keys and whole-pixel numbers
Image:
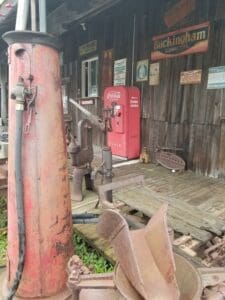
[{"x": 196, "y": 203}]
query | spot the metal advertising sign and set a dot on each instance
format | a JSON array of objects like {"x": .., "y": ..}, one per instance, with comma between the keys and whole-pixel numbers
[
  {"x": 88, "y": 48},
  {"x": 191, "y": 77},
  {"x": 185, "y": 41},
  {"x": 216, "y": 78},
  {"x": 120, "y": 71},
  {"x": 179, "y": 11},
  {"x": 154, "y": 74},
  {"x": 142, "y": 70}
]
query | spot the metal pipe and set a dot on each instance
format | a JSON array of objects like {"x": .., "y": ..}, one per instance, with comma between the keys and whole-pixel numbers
[
  {"x": 92, "y": 118},
  {"x": 42, "y": 16},
  {"x": 78, "y": 175},
  {"x": 86, "y": 221},
  {"x": 33, "y": 13},
  {"x": 3, "y": 81},
  {"x": 133, "y": 49},
  {"x": 84, "y": 216},
  {"x": 107, "y": 170},
  {"x": 3, "y": 103},
  {"x": 22, "y": 14}
]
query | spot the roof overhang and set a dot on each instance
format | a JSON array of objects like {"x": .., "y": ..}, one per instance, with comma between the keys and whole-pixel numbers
[{"x": 72, "y": 12}]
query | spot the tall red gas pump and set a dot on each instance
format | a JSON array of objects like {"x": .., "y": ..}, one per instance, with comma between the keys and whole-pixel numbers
[
  {"x": 39, "y": 203},
  {"x": 124, "y": 104}
]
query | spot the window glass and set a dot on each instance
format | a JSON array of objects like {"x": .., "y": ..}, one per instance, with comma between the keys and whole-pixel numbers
[{"x": 90, "y": 78}]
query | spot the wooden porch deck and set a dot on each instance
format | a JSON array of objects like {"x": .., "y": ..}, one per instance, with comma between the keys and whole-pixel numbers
[{"x": 196, "y": 203}]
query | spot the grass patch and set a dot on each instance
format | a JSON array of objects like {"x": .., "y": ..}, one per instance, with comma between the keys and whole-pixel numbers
[
  {"x": 3, "y": 212},
  {"x": 3, "y": 247},
  {"x": 91, "y": 257},
  {"x": 3, "y": 230}
]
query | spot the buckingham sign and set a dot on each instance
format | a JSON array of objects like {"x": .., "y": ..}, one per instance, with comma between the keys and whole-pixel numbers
[{"x": 194, "y": 39}]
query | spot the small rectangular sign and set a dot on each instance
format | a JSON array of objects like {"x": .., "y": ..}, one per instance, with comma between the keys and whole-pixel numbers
[
  {"x": 88, "y": 48},
  {"x": 185, "y": 41},
  {"x": 120, "y": 72},
  {"x": 191, "y": 77},
  {"x": 216, "y": 78},
  {"x": 87, "y": 101},
  {"x": 142, "y": 70},
  {"x": 154, "y": 74}
]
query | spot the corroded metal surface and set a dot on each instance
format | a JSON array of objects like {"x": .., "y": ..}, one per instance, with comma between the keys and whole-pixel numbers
[
  {"x": 139, "y": 264},
  {"x": 170, "y": 160},
  {"x": 81, "y": 149},
  {"x": 90, "y": 286},
  {"x": 215, "y": 252},
  {"x": 147, "y": 268},
  {"x": 47, "y": 198}
]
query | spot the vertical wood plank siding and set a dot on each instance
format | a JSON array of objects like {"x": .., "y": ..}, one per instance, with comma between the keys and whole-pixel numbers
[{"x": 173, "y": 115}]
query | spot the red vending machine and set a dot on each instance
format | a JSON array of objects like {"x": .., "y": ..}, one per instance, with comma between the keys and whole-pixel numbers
[{"x": 124, "y": 102}]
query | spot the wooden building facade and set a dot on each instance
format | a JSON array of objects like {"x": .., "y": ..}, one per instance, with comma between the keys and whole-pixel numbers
[{"x": 182, "y": 89}]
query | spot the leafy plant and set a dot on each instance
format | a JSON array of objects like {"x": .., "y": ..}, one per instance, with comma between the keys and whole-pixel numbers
[
  {"x": 3, "y": 230},
  {"x": 3, "y": 246},
  {"x": 3, "y": 212},
  {"x": 90, "y": 257}
]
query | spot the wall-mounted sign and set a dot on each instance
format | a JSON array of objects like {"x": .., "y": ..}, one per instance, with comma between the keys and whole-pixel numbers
[
  {"x": 120, "y": 71},
  {"x": 185, "y": 41},
  {"x": 216, "y": 78},
  {"x": 86, "y": 101},
  {"x": 107, "y": 68},
  {"x": 179, "y": 11},
  {"x": 191, "y": 77},
  {"x": 142, "y": 70},
  {"x": 88, "y": 48},
  {"x": 154, "y": 74}
]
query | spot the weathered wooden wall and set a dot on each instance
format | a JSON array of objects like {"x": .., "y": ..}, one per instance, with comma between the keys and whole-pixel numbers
[{"x": 173, "y": 115}]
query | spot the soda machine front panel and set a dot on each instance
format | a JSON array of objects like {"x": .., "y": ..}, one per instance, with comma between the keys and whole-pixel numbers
[{"x": 124, "y": 102}]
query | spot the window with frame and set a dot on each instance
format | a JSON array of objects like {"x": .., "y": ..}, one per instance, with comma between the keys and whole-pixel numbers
[{"x": 90, "y": 77}]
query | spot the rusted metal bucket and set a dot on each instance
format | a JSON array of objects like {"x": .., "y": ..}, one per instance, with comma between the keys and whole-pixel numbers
[
  {"x": 188, "y": 279},
  {"x": 147, "y": 269}
]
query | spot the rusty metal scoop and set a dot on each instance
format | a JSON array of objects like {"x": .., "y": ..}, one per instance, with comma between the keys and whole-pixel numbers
[{"x": 149, "y": 268}]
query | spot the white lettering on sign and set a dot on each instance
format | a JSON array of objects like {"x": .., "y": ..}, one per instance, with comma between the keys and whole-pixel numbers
[
  {"x": 116, "y": 145},
  {"x": 134, "y": 102},
  {"x": 113, "y": 96}
]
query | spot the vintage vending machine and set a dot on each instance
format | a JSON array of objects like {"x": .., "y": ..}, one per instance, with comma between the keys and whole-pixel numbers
[{"x": 124, "y": 103}]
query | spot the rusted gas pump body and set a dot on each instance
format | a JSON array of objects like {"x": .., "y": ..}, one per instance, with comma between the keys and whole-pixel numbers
[{"x": 47, "y": 205}]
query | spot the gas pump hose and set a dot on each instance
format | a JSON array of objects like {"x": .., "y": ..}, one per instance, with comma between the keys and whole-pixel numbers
[{"x": 19, "y": 194}]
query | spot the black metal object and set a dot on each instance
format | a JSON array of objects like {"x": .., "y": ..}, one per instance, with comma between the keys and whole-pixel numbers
[
  {"x": 85, "y": 218},
  {"x": 20, "y": 101}
]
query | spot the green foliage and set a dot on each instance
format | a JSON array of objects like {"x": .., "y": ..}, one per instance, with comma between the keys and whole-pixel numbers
[
  {"x": 3, "y": 246},
  {"x": 91, "y": 258},
  {"x": 3, "y": 212},
  {"x": 3, "y": 230}
]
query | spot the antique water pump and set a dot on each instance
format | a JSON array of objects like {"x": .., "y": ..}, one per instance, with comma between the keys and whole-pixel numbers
[{"x": 81, "y": 153}]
